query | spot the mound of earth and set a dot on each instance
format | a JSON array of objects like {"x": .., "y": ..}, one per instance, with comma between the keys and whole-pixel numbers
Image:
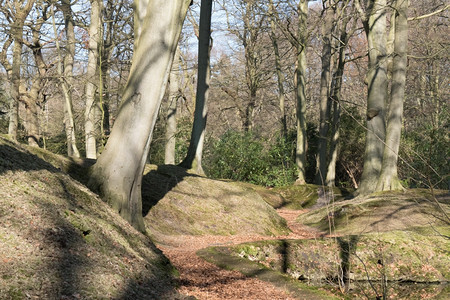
[
  {"x": 176, "y": 202},
  {"x": 297, "y": 197},
  {"x": 60, "y": 241},
  {"x": 381, "y": 212}
]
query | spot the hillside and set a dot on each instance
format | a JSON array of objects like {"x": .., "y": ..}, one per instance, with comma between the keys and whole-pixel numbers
[{"x": 60, "y": 241}]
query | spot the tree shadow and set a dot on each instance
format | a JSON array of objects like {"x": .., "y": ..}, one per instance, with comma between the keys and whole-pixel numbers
[{"x": 157, "y": 183}]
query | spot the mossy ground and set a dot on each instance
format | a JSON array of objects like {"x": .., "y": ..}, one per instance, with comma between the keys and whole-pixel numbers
[
  {"x": 60, "y": 241},
  {"x": 381, "y": 212},
  {"x": 179, "y": 203}
]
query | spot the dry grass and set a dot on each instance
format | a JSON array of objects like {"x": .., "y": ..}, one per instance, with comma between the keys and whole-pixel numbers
[{"x": 60, "y": 241}]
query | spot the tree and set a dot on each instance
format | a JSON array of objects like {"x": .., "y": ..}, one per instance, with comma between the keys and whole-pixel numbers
[
  {"x": 32, "y": 99},
  {"x": 117, "y": 174},
  {"x": 325, "y": 100},
  {"x": 280, "y": 77},
  {"x": 66, "y": 75},
  {"x": 388, "y": 178},
  {"x": 18, "y": 14},
  {"x": 174, "y": 94},
  {"x": 91, "y": 110},
  {"x": 300, "y": 88},
  {"x": 193, "y": 158},
  {"x": 377, "y": 81}
]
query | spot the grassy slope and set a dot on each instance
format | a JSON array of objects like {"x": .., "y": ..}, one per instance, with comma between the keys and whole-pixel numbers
[
  {"x": 382, "y": 212},
  {"x": 58, "y": 240},
  {"x": 176, "y": 203}
]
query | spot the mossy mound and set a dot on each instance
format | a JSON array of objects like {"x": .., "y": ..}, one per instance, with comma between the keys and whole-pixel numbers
[
  {"x": 60, "y": 241},
  {"x": 305, "y": 196},
  {"x": 381, "y": 212},
  {"x": 176, "y": 202},
  {"x": 393, "y": 257},
  {"x": 396, "y": 255}
]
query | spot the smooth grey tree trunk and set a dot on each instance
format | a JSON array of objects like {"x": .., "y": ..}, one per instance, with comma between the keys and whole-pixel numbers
[
  {"x": 325, "y": 100},
  {"x": 117, "y": 175},
  {"x": 91, "y": 109},
  {"x": 171, "y": 124},
  {"x": 193, "y": 158},
  {"x": 389, "y": 179},
  {"x": 377, "y": 97},
  {"x": 66, "y": 77},
  {"x": 301, "y": 91}
]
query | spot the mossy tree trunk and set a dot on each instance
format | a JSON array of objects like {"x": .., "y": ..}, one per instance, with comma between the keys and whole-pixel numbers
[
  {"x": 117, "y": 175},
  {"x": 388, "y": 179}
]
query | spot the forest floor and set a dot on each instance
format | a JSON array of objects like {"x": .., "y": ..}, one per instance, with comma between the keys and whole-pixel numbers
[{"x": 205, "y": 280}]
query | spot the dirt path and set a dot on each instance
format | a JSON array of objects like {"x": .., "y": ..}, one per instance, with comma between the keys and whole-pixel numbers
[{"x": 206, "y": 281}]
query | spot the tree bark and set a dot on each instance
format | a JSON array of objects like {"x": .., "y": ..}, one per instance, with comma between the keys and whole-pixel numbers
[
  {"x": 377, "y": 95},
  {"x": 280, "y": 79},
  {"x": 20, "y": 14},
  {"x": 193, "y": 158},
  {"x": 171, "y": 124},
  {"x": 388, "y": 179},
  {"x": 91, "y": 110},
  {"x": 301, "y": 91},
  {"x": 117, "y": 175},
  {"x": 67, "y": 80},
  {"x": 325, "y": 100}
]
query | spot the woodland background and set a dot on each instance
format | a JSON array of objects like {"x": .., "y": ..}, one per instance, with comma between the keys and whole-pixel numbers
[{"x": 45, "y": 50}]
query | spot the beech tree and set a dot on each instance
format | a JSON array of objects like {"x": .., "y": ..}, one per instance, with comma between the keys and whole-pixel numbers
[
  {"x": 375, "y": 26},
  {"x": 117, "y": 174},
  {"x": 91, "y": 110},
  {"x": 193, "y": 158},
  {"x": 388, "y": 178}
]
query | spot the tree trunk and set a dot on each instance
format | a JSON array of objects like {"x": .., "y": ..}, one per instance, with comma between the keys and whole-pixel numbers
[
  {"x": 67, "y": 81},
  {"x": 171, "y": 124},
  {"x": 280, "y": 79},
  {"x": 377, "y": 95},
  {"x": 117, "y": 175},
  {"x": 193, "y": 158},
  {"x": 388, "y": 179},
  {"x": 325, "y": 101},
  {"x": 91, "y": 110},
  {"x": 301, "y": 91},
  {"x": 15, "y": 78}
]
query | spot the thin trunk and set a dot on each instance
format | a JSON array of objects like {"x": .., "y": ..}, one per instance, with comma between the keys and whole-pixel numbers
[
  {"x": 325, "y": 101},
  {"x": 66, "y": 76},
  {"x": 301, "y": 91},
  {"x": 193, "y": 158},
  {"x": 377, "y": 95},
  {"x": 91, "y": 110},
  {"x": 117, "y": 175},
  {"x": 388, "y": 179},
  {"x": 171, "y": 125},
  {"x": 15, "y": 78},
  {"x": 280, "y": 79}
]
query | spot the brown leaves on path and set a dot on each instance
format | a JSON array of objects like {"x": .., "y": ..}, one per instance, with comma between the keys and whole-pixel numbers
[{"x": 204, "y": 280}]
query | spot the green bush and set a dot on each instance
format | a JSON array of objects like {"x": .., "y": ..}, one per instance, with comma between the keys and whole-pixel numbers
[{"x": 242, "y": 156}]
